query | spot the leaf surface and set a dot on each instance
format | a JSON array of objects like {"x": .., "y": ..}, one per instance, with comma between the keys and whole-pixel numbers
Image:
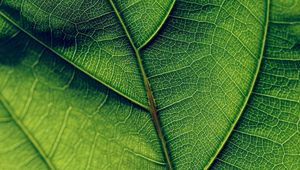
[
  {"x": 88, "y": 35},
  {"x": 196, "y": 65},
  {"x": 55, "y": 117},
  {"x": 268, "y": 136}
]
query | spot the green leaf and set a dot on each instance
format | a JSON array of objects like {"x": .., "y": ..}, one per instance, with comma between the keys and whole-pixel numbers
[
  {"x": 143, "y": 18},
  {"x": 268, "y": 134},
  {"x": 129, "y": 85},
  {"x": 54, "y": 116},
  {"x": 90, "y": 36}
]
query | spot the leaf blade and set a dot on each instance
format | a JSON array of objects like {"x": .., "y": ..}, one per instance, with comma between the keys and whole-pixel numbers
[
  {"x": 201, "y": 67},
  {"x": 269, "y": 124},
  {"x": 224, "y": 74},
  {"x": 93, "y": 42},
  {"x": 71, "y": 116},
  {"x": 144, "y": 18}
]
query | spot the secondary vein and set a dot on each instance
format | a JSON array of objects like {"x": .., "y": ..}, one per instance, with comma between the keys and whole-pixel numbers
[
  {"x": 151, "y": 100},
  {"x": 250, "y": 90},
  {"x": 36, "y": 145},
  {"x": 70, "y": 62}
]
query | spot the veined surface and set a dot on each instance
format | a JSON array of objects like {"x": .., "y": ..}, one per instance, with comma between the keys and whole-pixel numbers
[{"x": 202, "y": 59}]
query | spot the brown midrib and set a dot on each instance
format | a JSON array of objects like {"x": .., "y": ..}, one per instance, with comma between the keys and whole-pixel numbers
[{"x": 150, "y": 97}]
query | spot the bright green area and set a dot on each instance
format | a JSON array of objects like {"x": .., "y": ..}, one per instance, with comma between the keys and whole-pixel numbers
[
  {"x": 202, "y": 63},
  {"x": 16, "y": 152}
]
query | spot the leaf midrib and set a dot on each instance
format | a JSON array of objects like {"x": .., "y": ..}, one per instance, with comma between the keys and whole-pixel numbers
[
  {"x": 152, "y": 107},
  {"x": 28, "y": 135},
  {"x": 151, "y": 100}
]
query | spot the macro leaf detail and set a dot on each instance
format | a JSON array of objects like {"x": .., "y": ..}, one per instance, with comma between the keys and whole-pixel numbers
[{"x": 111, "y": 84}]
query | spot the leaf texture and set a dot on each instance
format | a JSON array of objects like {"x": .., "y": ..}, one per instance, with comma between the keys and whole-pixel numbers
[
  {"x": 143, "y": 18},
  {"x": 88, "y": 34},
  {"x": 267, "y": 136},
  {"x": 211, "y": 65},
  {"x": 54, "y": 117}
]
